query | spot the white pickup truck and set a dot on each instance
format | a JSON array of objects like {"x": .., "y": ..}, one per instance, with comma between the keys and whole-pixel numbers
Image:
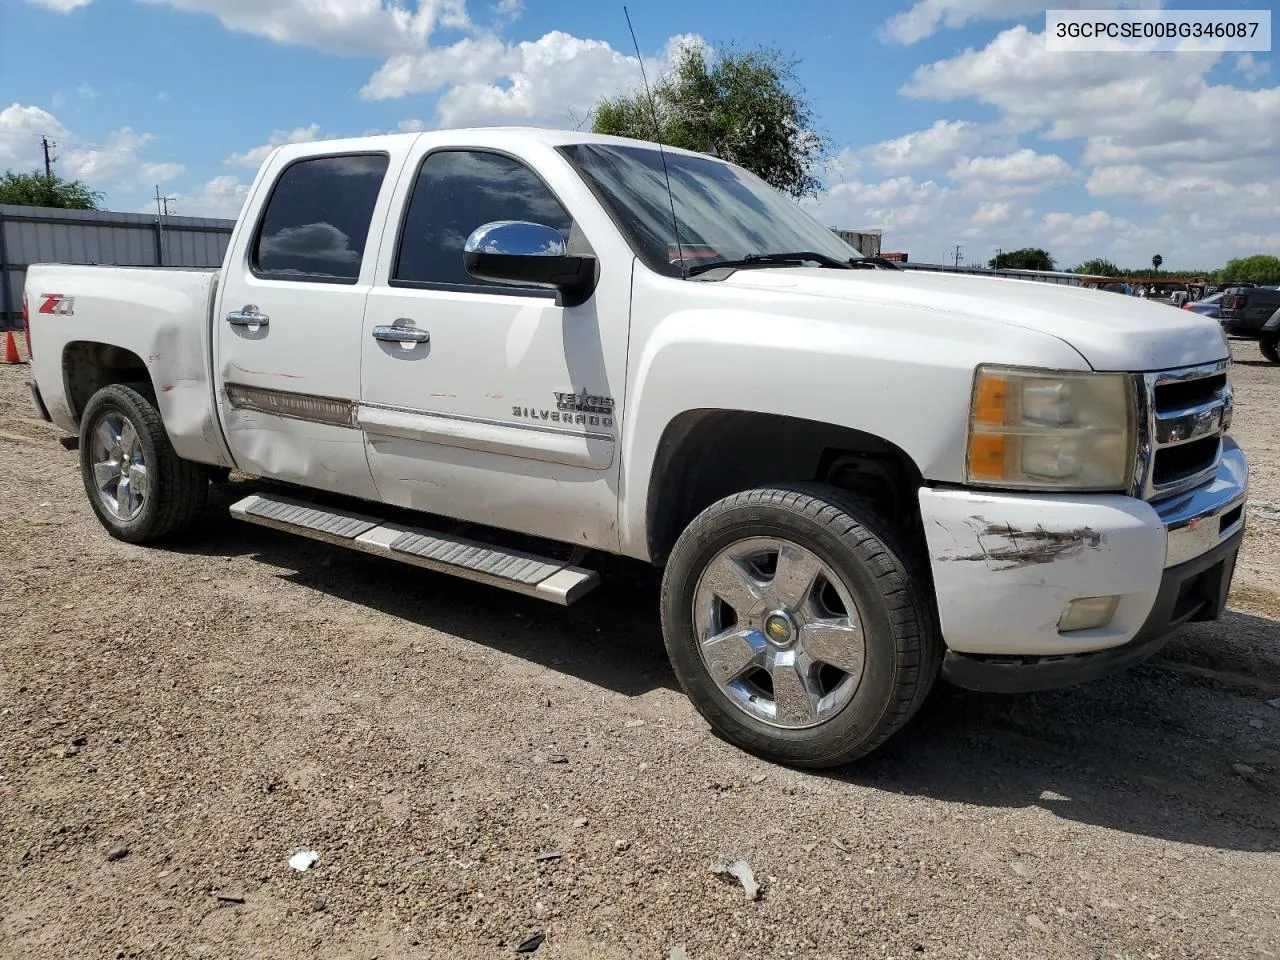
[{"x": 854, "y": 477}]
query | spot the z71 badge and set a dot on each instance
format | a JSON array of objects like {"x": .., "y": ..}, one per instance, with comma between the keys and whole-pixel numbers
[
  {"x": 57, "y": 304},
  {"x": 578, "y": 409}
]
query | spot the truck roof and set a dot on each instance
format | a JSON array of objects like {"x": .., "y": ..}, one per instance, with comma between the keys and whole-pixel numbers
[{"x": 480, "y": 136}]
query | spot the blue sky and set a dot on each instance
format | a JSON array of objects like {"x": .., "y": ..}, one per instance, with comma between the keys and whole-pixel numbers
[{"x": 951, "y": 122}]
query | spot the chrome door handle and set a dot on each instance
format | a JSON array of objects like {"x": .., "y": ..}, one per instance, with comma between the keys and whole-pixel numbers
[
  {"x": 248, "y": 316},
  {"x": 402, "y": 331}
]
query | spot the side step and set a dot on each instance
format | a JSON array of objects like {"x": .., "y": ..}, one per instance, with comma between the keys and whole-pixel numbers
[{"x": 515, "y": 570}]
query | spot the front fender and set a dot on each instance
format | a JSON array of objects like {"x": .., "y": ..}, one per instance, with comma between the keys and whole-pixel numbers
[{"x": 902, "y": 374}]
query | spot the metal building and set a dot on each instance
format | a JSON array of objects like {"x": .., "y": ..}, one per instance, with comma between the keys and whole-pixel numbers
[{"x": 30, "y": 235}]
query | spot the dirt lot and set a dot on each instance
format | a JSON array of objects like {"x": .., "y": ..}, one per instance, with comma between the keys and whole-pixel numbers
[{"x": 176, "y": 723}]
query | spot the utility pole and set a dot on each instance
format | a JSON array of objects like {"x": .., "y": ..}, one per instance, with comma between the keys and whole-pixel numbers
[
  {"x": 48, "y": 145},
  {"x": 162, "y": 211},
  {"x": 959, "y": 247},
  {"x": 162, "y": 203}
]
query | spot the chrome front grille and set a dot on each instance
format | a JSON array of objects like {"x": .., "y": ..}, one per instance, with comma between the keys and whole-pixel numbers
[{"x": 1182, "y": 415}]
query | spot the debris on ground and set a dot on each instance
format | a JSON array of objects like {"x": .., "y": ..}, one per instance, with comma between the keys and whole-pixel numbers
[
  {"x": 548, "y": 856},
  {"x": 532, "y": 944},
  {"x": 412, "y": 862},
  {"x": 677, "y": 952},
  {"x": 1243, "y": 769},
  {"x": 303, "y": 859},
  {"x": 118, "y": 852},
  {"x": 228, "y": 896},
  {"x": 622, "y": 846},
  {"x": 1035, "y": 923},
  {"x": 739, "y": 870},
  {"x": 632, "y": 724}
]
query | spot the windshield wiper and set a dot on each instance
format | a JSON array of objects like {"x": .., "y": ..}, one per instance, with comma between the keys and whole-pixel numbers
[
  {"x": 797, "y": 257},
  {"x": 870, "y": 263},
  {"x": 769, "y": 260}
]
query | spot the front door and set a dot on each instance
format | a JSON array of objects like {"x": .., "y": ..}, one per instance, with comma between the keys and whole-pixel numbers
[
  {"x": 287, "y": 328},
  {"x": 497, "y": 406}
]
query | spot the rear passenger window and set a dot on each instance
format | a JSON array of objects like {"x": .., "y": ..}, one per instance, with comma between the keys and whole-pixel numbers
[
  {"x": 457, "y": 191},
  {"x": 317, "y": 221}
]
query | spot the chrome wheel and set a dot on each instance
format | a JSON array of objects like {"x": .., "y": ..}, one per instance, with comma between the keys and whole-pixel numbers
[
  {"x": 779, "y": 632},
  {"x": 119, "y": 468}
]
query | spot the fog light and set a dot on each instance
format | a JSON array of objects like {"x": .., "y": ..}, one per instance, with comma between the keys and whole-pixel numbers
[{"x": 1088, "y": 613}]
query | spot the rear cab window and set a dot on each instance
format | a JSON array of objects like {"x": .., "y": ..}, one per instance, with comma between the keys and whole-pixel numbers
[{"x": 317, "y": 221}]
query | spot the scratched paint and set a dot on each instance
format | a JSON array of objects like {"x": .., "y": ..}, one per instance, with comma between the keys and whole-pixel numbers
[{"x": 1004, "y": 547}]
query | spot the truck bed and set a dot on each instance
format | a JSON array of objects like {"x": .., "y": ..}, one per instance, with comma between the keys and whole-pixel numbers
[{"x": 154, "y": 321}]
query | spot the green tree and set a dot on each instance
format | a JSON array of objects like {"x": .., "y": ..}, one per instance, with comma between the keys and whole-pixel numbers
[
  {"x": 36, "y": 190},
  {"x": 1261, "y": 269},
  {"x": 1030, "y": 258},
  {"x": 745, "y": 106},
  {"x": 1156, "y": 261},
  {"x": 1098, "y": 267}
]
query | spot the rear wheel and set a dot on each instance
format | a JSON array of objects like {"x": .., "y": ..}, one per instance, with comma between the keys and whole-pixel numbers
[
  {"x": 1268, "y": 348},
  {"x": 140, "y": 489},
  {"x": 797, "y": 626}
]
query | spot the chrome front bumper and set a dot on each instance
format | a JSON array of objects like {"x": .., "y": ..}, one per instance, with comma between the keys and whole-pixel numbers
[{"x": 1200, "y": 519}]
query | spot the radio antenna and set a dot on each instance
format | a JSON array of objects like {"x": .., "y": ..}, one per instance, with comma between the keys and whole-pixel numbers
[{"x": 657, "y": 135}]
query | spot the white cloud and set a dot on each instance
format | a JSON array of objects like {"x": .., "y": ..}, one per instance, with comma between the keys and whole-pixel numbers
[
  {"x": 552, "y": 80},
  {"x": 254, "y": 156},
  {"x": 117, "y": 162},
  {"x": 1021, "y": 172},
  {"x": 1252, "y": 68},
  {"x": 507, "y": 11},
  {"x": 927, "y": 17},
  {"x": 222, "y": 197},
  {"x": 1202, "y": 157},
  {"x": 469, "y": 60},
  {"x": 379, "y": 28},
  {"x": 86, "y": 91},
  {"x": 992, "y": 212},
  {"x": 20, "y": 131},
  {"x": 937, "y": 145},
  {"x": 62, "y": 6}
]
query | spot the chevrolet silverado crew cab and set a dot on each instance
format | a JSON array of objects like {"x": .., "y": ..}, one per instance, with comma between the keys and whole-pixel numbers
[{"x": 494, "y": 353}]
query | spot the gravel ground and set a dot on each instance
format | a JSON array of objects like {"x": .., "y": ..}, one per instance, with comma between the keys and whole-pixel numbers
[{"x": 475, "y": 768}]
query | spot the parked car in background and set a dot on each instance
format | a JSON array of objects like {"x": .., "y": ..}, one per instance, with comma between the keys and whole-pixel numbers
[
  {"x": 1253, "y": 313},
  {"x": 1208, "y": 307}
]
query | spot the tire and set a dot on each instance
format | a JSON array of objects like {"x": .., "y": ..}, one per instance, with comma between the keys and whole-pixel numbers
[
  {"x": 168, "y": 494},
  {"x": 1268, "y": 348},
  {"x": 901, "y": 645}
]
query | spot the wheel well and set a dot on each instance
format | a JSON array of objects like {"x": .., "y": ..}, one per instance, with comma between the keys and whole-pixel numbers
[
  {"x": 88, "y": 367},
  {"x": 705, "y": 455}
]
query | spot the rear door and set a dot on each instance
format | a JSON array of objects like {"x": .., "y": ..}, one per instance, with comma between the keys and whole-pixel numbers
[{"x": 287, "y": 327}]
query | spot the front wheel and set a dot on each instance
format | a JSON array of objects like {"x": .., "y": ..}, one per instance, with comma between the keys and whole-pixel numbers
[
  {"x": 1268, "y": 348},
  {"x": 797, "y": 625},
  {"x": 140, "y": 489}
]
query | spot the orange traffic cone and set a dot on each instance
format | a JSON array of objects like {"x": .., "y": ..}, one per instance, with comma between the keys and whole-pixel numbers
[{"x": 11, "y": 348}]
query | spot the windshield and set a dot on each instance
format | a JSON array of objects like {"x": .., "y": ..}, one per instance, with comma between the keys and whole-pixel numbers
[{"x": 724, "y": 212}]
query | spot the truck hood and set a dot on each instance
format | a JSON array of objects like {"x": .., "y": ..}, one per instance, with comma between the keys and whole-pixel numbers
[{"x": 1111, "y": 331}]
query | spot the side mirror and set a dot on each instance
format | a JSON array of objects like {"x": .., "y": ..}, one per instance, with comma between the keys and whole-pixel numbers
[{"x": 529, "y": 254}]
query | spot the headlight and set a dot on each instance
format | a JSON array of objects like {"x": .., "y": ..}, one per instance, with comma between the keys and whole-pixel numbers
[{"x": 1051, "y": 430}]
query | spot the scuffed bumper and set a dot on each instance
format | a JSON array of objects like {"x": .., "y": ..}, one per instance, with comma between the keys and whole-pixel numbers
[{"x": 1006, "y": 566}]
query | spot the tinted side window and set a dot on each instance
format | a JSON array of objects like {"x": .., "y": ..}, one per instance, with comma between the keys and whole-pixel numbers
[
  {"x": 457, "y": 191},
  {"x": 318, "y": 218}
]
